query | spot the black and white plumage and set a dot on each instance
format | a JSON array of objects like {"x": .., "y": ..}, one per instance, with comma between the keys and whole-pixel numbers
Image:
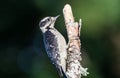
[{"x": 55, "y": 44}]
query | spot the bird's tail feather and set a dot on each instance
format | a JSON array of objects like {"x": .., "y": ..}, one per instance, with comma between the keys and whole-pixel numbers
[{"x": 62, "y": 73}]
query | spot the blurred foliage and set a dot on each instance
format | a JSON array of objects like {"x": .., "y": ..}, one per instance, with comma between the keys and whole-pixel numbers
[{"x": 22, "y": 53}]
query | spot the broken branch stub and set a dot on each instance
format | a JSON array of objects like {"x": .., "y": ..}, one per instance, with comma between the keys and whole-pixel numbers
[{"x": 73, "y": 67}]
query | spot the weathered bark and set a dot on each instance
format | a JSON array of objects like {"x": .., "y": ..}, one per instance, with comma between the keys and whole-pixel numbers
[{"x": 73, "y": 67}]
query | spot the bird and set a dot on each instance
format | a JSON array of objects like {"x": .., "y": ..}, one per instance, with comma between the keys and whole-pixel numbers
[{"x": 55, "y": 44}]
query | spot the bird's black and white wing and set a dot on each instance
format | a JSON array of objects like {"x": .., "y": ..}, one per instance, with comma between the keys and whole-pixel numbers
[{"x": 55, "y": 49}]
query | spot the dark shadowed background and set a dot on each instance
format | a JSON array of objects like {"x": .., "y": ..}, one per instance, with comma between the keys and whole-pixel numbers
[{"x": 22, "y": 53}]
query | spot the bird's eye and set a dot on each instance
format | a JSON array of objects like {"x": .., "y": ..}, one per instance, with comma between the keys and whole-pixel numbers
[{"x": 48, "y": 19}]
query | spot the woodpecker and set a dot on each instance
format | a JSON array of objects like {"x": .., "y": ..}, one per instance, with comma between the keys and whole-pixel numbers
[{"x": 55, "y": 44}]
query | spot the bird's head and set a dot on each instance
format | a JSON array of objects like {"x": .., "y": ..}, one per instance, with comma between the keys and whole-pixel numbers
[{"x": 47, "y": 23}]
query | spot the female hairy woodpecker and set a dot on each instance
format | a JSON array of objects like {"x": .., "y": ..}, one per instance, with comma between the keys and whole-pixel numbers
[{"x": 54, "y": 43}]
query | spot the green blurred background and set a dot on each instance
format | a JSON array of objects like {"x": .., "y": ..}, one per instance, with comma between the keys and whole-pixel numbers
[{"x": 22, "y": 53}]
